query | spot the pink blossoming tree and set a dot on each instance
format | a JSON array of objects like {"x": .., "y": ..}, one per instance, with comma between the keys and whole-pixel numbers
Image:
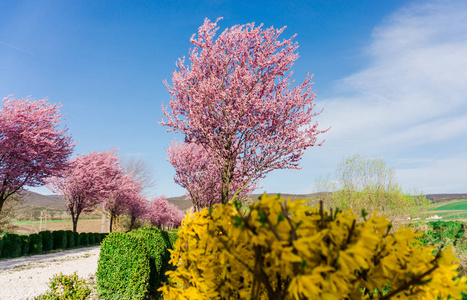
[
  {"x": 196, "y": 171},
  {"x": 32, "y": 147},
  {"x": 137, "y": 208},
  {"x": 161, "y": 212},
  {"x": 123, "y": 190},
  {"x": 86, "y": 182},
  {"x": 236, "y": 100}
]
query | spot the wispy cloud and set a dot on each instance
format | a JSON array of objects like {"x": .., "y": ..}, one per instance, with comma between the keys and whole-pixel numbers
[
  {"x": 13, "y": 47},
  {"x": 410, "y": 98}
]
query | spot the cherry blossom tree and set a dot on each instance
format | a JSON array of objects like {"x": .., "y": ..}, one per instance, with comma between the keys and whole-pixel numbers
[
  {"x": 236, "y": 100},
  {"x": 32, "y": 147},
  {"x": 123, "y": 190},
  {"x": 161, "y": 212},
  {"x": 137, "y": 208},
  {"x": 196, "y": 171},
  {"x": 86, "y": 182}
]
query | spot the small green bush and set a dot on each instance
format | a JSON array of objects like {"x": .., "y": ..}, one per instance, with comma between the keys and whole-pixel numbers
[
  {"x": 66, "y": 287},
  {"x": 11, "y": 245},
  {"x": 24, "y": 245},
  {"x": 158, "y": 255},
  {"x": 70, "y": 239},
  {"x": 97, "y": 238},
  {"x": 1, "y": 246},
  {"x": 123, "y": 270},
  {"x": 83, "y": 239},
  {"x": 35, "y": 243},
  {"x": 76, "y": 238},
  {"x": 47, "y": 240},
  {"x": 91, "y": 239},
  {"x": 60, "y": 239}
]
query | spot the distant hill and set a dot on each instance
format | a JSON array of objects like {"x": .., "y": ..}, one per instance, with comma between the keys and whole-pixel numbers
[{"x": 33, "y": 204}]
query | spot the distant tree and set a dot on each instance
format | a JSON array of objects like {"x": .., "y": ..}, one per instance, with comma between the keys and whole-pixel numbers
[
  {"x": 361, "y": 182},
  {"x": 162, "y": 213},
  {"x": 86, "y": 182},
  {"x": 32, "y": 148},
  {"x": 236, "y": 101},
  {"x": 123, "y": 189},
  {"x": 140, "y": 170},
  {"x": 137, "y": 208},
  {"x": 196, "y": 171}
]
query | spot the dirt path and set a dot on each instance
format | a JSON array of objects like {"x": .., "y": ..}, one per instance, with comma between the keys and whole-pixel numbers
[{"x": 28, "y": 277}]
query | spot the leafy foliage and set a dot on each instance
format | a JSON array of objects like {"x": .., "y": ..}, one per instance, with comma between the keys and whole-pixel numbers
[
  {"x": 60, "y": 239},
  {"x": 11, "y": 245},
  {"x": 66, "y": 287},
  {"x": 123, "y": 270},
  {"x": 283, "y": 249},
  {"x": 47, "y": 240},
  {"x": 36, "y": 243}
]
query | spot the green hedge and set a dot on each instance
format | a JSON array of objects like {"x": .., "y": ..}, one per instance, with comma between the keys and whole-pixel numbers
[
  {"x": 70, "y": 240},
  {"x": 11, "y": 245},
  {"x": 47, "y": 240},
  {"x": 36, "y": 243},
  {"x": 83, "y": 239},
  {"x": 60, "y": 239},
  {"x": 123, "y": 270},
  {"x": 24, "y": 245}
]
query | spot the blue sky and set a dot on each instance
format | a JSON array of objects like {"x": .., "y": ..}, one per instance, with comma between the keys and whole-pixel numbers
[{"x": 390, "y": 75}]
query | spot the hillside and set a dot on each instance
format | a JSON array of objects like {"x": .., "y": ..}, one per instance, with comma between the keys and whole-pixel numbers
[{"x": 33, "y": 204}]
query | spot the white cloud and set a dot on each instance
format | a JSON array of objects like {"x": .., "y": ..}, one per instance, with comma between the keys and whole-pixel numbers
[{"x": 409, "y": 103}]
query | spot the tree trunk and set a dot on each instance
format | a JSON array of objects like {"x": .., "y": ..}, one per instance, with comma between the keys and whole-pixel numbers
[
  {"x": 111, "y": 221},
  {"x": 226, "y": 184},
  {"x": 1, "y": 204}
]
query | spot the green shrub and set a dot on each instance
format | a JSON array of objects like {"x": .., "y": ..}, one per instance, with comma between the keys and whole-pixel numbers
[
  {"x": 47, "y": 240},
  {"x": 11, "y": 245},
  {"x": 24, "y": 245},
  {"x": 97, "y": 238},
  {"x": 60, "y": 239},
  {"x": 35, "y": 243},
  {"x": 70, "y": 239},
  {"x": 158, "y": 255},
  {"x": 91, "y": 239},
  {"x": 76, "y": 238},
  {"x": 1, "y": 246},
  {"x": 66, "y": 287},
  {"x": 123, "y": 270},
  {"x": 83, "y": 239}
]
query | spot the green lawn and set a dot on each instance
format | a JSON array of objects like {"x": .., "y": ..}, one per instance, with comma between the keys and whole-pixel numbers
[
  {"x": 458, "y": 205},
  {"x": 48, "y": 221}
]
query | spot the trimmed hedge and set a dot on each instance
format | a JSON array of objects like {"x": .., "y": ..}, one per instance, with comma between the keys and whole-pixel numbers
[
  {"x": 70, "y": 240},
  {"x": 36, "y": 243},
  {"x": 83, "y": 239},
  {"x": 123, "y": 270},
  {"x": 24, "y": 245},
  {"x": 60, "y": 239},
  {"x": 116, "y": 265},
  {"x": 11, "y": 245},
  {"x": 1, "y": 246},
  {"x": 47, "y": 240}
]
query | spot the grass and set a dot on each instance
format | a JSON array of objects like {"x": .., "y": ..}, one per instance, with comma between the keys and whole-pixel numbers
[
  {"x": 455, "y": 205},
  {"x": 48, "y": 221}
]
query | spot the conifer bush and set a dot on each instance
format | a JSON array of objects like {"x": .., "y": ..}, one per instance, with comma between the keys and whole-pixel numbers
[
  {"x": 60, "y": 239},
  {"x": 24, "y": 244},
  {"x": 35, "y": 243},
  {"x": 11, "y": 245},
  {"x": 83, "y": 239},
  {"x": 70, "y": 240},
  {"x": 282, "y": 249},
  {"x": 47, "y": 240}
]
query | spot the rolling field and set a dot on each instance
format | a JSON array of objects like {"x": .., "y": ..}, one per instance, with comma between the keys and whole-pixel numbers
[
  {"x": 452, "y": 210},
  {"x": 84, "y": 225}
]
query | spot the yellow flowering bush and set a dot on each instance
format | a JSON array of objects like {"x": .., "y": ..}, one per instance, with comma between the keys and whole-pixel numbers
[{"x": 282, "y": 249}]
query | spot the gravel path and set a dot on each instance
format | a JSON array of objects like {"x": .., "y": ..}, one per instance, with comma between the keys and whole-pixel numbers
[{"x": 28, "y": 277}]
